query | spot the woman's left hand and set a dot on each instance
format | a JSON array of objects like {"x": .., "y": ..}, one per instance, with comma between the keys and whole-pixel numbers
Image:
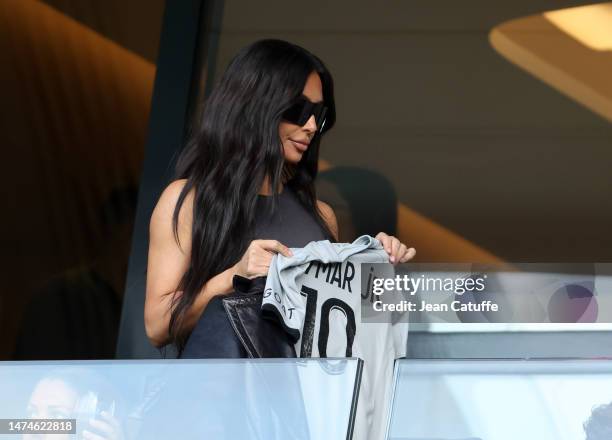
[
  {"x": 106, "y": 427},
  {"x": 398, "y": 251}
]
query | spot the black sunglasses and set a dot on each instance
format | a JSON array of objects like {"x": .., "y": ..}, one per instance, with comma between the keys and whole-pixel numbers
[{"x": 301, "y": 111}]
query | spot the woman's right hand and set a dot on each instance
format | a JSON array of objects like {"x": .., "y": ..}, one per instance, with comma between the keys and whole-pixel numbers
[{"x": 257, "y": 258}]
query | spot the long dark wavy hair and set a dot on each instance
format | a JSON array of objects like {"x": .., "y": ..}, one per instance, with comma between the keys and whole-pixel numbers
[{"x": 234, "y": 145}]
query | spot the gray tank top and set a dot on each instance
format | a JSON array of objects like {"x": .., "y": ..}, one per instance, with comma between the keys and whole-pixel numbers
[{"x": 291, "y": 223}]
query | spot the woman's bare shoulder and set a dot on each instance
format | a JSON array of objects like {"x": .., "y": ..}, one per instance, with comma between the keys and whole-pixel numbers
[
  {"x": 171, "y": 193},
  {"x": 162, "y": 218}
]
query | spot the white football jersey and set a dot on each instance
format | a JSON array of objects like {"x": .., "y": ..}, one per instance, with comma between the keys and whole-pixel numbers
[{"x": 317, "y": 296}]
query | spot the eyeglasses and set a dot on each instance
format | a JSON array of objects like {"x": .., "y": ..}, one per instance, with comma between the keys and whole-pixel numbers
[{"x": 300, "y": 112}]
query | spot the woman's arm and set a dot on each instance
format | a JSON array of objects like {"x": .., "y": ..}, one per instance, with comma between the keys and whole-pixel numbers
[
  {"x": 329, "y": 216},
  {"x": 168, "y": 261}
]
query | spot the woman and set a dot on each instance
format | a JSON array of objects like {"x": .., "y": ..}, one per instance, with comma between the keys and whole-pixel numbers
[
  {"x": 245, "y": 187},
  {"x": 80, "y": 394}
]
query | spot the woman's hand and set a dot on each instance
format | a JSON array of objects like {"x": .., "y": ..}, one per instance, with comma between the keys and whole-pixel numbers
[
  {"x": 398, "y": 251},
  {"x": 256, "y": 260},
  {"x": 104, "y": 428}
]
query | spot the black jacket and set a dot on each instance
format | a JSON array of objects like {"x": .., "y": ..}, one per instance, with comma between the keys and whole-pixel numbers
[{"x": 232, "y": 326}]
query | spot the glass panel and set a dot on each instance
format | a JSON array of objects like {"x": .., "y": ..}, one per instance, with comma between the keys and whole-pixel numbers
[
  {"x": 501, "y": 400},
  {"x": 258, "y": 399}
]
